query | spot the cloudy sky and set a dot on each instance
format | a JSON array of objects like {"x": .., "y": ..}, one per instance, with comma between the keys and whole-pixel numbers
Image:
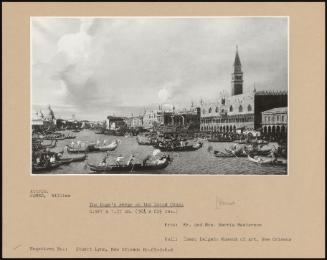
[{"x": 93, "y": 67}]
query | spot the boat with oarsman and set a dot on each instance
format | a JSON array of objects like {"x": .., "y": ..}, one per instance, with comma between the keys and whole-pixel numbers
[
  {"x": 144, "y": 140},
  {"x": 65, "y": 160},
  {"x": 178, "y": 147},
  {"x": 51, "y": 145},
  {"x": 103, "y": 148},
  {"x": 72, "y": 149},
  {"x": 224, "y": 155},
  {"x": 82, "y": 147},
  {"x": 236, "y": 152},
  {"x": 78, "y": 158},
  {"x": 70, "y": 137},
  {"x": 158, "y": 164},
  {"x": 73, "y": 158},
  {"x": 267, "y": 160},
  {"x": 46, "y": 167},
  {"x": 221, "y": 138},
  {"x": 251, "y": 141}
]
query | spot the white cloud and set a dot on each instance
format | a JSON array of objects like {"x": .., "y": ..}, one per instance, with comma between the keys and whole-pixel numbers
[{"x": 101, "y": 63}]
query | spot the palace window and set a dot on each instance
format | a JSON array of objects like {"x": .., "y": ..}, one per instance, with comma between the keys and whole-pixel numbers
[
  {"x": 231, "y": 108},
  {"x": 249, "y": 108},
  {"x": 282, "y": 118},
  {"x": 217, "y": 109},
  {"x": 240, "y": 109},
  {"x": 210, "y": 110},
  {"x": 278, "y": 118}
]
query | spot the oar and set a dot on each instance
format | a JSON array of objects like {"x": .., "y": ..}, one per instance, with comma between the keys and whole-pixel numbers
[
  {"x": 132, "y": 167},
  {"x": 233, "y": 153},
  {"x": 85, "y": 166}
]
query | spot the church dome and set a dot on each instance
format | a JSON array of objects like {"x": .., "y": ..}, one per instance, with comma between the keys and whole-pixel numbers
[{"x": 50, "y": 114}]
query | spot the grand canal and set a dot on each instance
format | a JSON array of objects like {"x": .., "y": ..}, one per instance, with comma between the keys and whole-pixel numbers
[{"x": 195, "y": 162}]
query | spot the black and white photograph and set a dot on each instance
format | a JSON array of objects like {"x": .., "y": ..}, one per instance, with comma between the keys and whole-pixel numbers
[{"x": 159, "y": 95}]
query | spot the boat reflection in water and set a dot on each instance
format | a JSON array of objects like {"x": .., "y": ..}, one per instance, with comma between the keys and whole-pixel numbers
[{"x": 214, "y": 158}]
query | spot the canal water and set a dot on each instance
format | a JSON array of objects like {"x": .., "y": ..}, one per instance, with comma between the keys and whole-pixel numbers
[{"x": 194, "y": 162}]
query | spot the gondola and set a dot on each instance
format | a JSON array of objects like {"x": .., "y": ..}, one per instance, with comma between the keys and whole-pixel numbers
[
  {"x": 164, "y": 162},
  {"x": 55, "y": 138},
  {"x": 185, "y": 148},
  {"x": 260, "y": 152},
  {"x": 245, "y": 141},
  {"x": 238, "y": 153},
  {"x": 49, "y": 167},
  {"x": 241, "y": 141},
  {"x": 77, "y": 150},
  {"x": 220, "y": 140},
  {"x": 76, "y": 130},
  {"x": 110, "y": 147},
  {"x": 52, "y": 145},
  {"x": 78, "y": 158},
  {"x": 223, "y": 155},
  {"x": 258, "y": 141},
  {"x": 267, "y": 161},
  {"x": 65, "y": 160},
  {"x": 70, "y": 137},
  {"x": 143, "y": 141}
]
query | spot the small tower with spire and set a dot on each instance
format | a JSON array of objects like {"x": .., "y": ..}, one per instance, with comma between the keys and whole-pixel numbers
[{"x": 237, "y": 76}]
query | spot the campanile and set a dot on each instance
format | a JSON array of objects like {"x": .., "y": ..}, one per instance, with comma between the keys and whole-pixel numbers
[{"x": 237, "y": 76}]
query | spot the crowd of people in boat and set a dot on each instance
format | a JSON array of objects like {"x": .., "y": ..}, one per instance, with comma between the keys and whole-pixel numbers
[
  {"x": 119, "y": 161},
  {"x": 45, "y": 158},
  {"x": 258, "y": 153},
  {"x": 92, "y": 147},
  {"x": 257, "y": 149},
  {"x": 177, "y": 144},
  {"x": 53, "y": 136}
]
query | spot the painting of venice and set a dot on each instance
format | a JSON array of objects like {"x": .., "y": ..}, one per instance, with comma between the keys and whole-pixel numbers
[{"x": 159, "y": 95}]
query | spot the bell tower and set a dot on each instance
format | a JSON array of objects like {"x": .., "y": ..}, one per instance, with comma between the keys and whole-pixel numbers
[{"x": 237, "y": 76}]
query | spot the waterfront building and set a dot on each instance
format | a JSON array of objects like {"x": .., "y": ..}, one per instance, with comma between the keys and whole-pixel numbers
[
  {"x": 137, "y": 121},
  {"x": 128, "y": 122},
  {"x": 189, "y": 119},
  {"x": 238, "y": 110},
  {"x": 41, "y": 121},
  {"x": 115, "y": 123},
  {"x": 274, "y": 122},
  {"x": 37, "y": 123},
  {"x": 161, "y": 120},
  {"x": 134, "y": 121},
  {"x": 151, "y": 119}
]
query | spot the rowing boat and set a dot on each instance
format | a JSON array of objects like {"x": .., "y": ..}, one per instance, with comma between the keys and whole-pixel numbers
[
  {"x": 185, "y": 148},
  {"x": 267, "y": 161},
  {"x": 39, "y": 168},
  {"x": 223, "y": 155},
  {"x": 65, "y": 160},
  {"x": 160, "y": 164},
  {"x": 110, "y": 147}
]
